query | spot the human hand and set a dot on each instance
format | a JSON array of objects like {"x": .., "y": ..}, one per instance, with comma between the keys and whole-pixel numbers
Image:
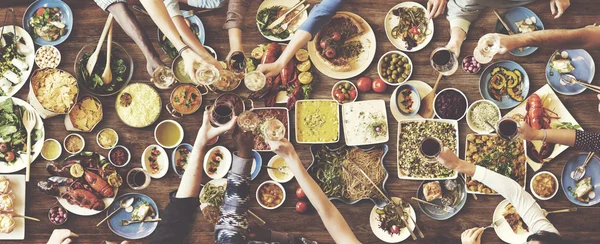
[
  {"x": 558, "y": 7},
  {"x": 61, "y": 236},
  {"x": 472, "y": 236},
  {"x": 244, "y": 140},
  {"x": 599, "y": 103},
  {"x": 234, "y": 51},
  {"x": 436, "y": 7},
  {"x": 449, "y": 159},
  {"x": 527, "y": 133},
  {"x": 454, "y": 48},
  {"x": 504, "y": 43},
  {"x": 270, "y": 70},
  {"x": 207, "y": 132},
  {"x": 283, "y": 148}
]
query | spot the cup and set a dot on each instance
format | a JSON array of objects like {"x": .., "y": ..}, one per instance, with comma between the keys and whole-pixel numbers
[
  {"x": 138, "y": 179},
  {"x": 444, "y": 61},
  {"x": 508, "y": 129},
  {"x": 168, "y": 133},
  {"x": 430, "y": 148}
]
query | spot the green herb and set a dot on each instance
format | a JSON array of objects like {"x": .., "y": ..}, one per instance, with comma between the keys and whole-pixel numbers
[
  {"x": 94, "y": 81},
  {"x": 267, "y": 16},
  {"x": 12, "y": 130},
  {"x": 567, "y": 125},
  {"x": 329, "y": 171}
]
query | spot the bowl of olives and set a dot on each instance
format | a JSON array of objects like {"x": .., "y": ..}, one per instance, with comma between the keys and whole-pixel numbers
[
  {"x": 344, "y": 92},
  {"x": 394, "y": 68}
]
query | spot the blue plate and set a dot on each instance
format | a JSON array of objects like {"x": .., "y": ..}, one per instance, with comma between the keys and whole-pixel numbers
[
  {"x": 484, "y": 82},
  {"x": 185, "y": 145},
  {"x": 67, "y": 19},
  {"x": 256, "y": 164},
  {"x": 133, "y": 231},
  {"x": 439, "y": 214},
  {"x": 592, "y": 169},
  {"x": 584, "y": 72},
  {"x": 513, "y": 15}
]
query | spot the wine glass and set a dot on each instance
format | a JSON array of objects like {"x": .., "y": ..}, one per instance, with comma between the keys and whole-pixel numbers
[
  {"x": 255, "y": 80},
  {"x": 273, "y": 129},
  {"x": 487, "y": 46},
  {"x": 237, "y": 62},
  {"x": 206, "y": 74},
  {"x": 444, "y": 61},
  {"x": 163, "y": 77},
  {"x": 138, "y": 178},
  {"x": 508, "y": 128},
  {"x": 430, "y": 147},
  {"x": 248, "y": 121}
]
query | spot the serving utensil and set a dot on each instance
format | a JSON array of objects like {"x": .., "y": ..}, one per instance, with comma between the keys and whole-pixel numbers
[
  {"x": 125, "y": 202},
  {"x": 281, "y": 169},
  {"x": 510, "y": 32},
  {"x": 29, "y": 120},
  {"x": 567, "y": 210},
  {"x": 2, "y": 41},
  {"x": 284, "y": 26},
  {"x": 126, "y": 222},
  {"x": 279, "y": 20},
  {"x": 25, "y": 217},
  {"x": 140, "y": 9},
  {"x": 496, "y": 223},
  {"x": 426, "y": 109},
  {"x": 402, "y": 203},
  {"x": 443, "y": 207},
  {"x": 579, "y": 172},
  {"x": 570, "y": 80},
  {"x": 107, "y": 74},
  {"x": 94, "y": 57}
]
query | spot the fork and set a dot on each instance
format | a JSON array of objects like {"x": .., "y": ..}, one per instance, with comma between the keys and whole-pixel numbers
[
  {"x": 29, "y": 121},
  {"x": 126, "y": 222},
  {"x": 284, "y": 26},
  {"x": 496, "y": 223}
]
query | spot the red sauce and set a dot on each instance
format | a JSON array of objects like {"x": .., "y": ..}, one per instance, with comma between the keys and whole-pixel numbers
[{"x": 119, "y": 156}]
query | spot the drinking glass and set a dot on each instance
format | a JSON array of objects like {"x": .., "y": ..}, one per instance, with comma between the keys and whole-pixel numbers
[
  {"x": 255, "y": 80},
  {"x": 137, "y": 181},
  {"x": 444, "y": 61},
  {"x": 163, "y": 77},
  {"x": 508, "y": 129},
  {"x": 487, "y": 46},
  {"x": 206, "y": 74},
  {"x": 430, "y": 148},
  {"x": 237, "y": 62},
  {"x": 226, "y": 81},
  {"x": 248, "y": 121},
  {"x": 273, "y": 129},
  {"x": 221, "y": 113}
]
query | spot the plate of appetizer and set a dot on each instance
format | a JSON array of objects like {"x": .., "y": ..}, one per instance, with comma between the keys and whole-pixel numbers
[
  {"x": 554, "y": 115},
  {"x": 317, "y": 121},
  {"x": 336, "y": 170},
  {"x": 450, "y": 193},
  {"x": 138, "y": 105},
  {"x": 217, "y": 162},
  {"x": 394, "y": 68},
  {"x": 344, "y": 48},
  {"x": 513, "y": 230},
  {"x": 212, "y": 197},
  {"x": 84, "y": 183},
  {"x": 575, "y": 62},
  {"x": 180, "y": 157},
  {"x": 344, "y": 92},
  {"x": 388, "y": 226},
  {"x": 282, "y": 114},
  {"x": 13, "y": 136},
  {"x": 12, "y": 203},
  {"x": 134, "y": 222},
  {"x": 481, "y": 111},
  {"x": 49, "y": 21},
  {"x": 583, "y": 192},
  {"x": 505, "y": 83},
  {"x": 155, "y": 161},
  {"x": 520, "y": 20},
  {"x": 271, "y": 10},
  {"x": 85, "y": 115},
  {"x": 411, "y": 164},
  {"x": 17, "y": 60},
  {"x": 408, "y": 27},
  {"x": 397, "y": 98},
  {"x": 47, "y": 100},
  {"x": 365, "y": 123},
  {"x": 195, "y": 25},
  {"x": 121, "y": 66},
  {"x": 496, "y": 154}
]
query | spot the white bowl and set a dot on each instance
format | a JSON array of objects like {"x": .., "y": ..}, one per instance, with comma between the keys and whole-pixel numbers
[
  {"x": 272, "y": 175},
  {"x": 128, "y": 156},
  {"x": 461, "y": 93},
  {"x": 98, "y": 138},
  {"x": 479, "y": 131},
  {"x": 59, "y": 151},
  {"x": 341, "y": 82},
  {"x": 390, "y": 54},
  {"x": 52, "y": 49},
  {"x": 556, "y": 184},
  {"x": 162, "y": 160},
  {"x": 77, "y": 135},
  {"x": 180, "y": 130},
  {"x": 223, "y": 167},
  {"x": 270, "y": 182}
]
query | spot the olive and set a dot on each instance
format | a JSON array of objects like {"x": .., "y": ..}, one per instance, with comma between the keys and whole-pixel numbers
[
  {"x": 404, "y": 76},
  {"x": 407, "y": 71},
  {"x": 389, "y": 72},
  {"x": 343, "y": 90},
  {"x": 347, "y": 86},
  {"x": 407, "y": 66},
  {"x": 404, "y": 59},
  {"x": 394, "y": 55},
  {"x": 56, "y": 10},
  {"x": 394, "y": 76}
]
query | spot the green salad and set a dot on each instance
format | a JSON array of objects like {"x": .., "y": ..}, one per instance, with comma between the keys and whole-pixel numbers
[
  {"x": 94, "y": 81},
  {"x": 265, "y": 17},
  {"x": 13, "y": 136}
]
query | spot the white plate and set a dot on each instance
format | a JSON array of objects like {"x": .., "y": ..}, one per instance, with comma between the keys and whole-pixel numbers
[
  {"x": 223, "y": 166},
  {"x": 216, "y": 182},
  {"x": 354, "y": 126},
  {"x": 360, "y": 64},
  {"x": 163, "y": 161},
  {"x": 391, "y": 21},
  {"x": 269, "y": 3},
  {"x": 555, "y": 105},
  {"x": 37, "y": 147},
  {"x": 382, "y": 234},
  {"x": 29, "y": 59},
  {"x": 423, "y": 89},
  {"x": 504, "y": 231},
  {"x": 17, "y": 183}
]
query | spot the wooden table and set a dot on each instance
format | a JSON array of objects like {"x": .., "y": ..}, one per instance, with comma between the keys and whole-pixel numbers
[{"x": 89, "y": 20}]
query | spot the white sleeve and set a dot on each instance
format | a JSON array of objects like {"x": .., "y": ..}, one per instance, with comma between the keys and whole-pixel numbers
[
  {"x": 530, "y": 212},
  {"x": 172, "y": 7}
]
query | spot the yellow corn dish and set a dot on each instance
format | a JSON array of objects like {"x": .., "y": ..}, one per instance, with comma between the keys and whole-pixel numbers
[{"x": 317, "y": 121}]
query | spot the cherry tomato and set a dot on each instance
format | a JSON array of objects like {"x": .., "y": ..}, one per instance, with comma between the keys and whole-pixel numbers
[
  {"x": 363, "y": 84},
  {"x": 4, "y": 147},
  {"x": 336, "y": 36},
  {"x": 414, "y": 30},
  {"x": 330, "y": 52},
  {"x": 301, "y": 206},
  {"x": 395, "y": 229},
  {"x": 10, "y": 156},
  {"x": 300, "y": 193},
  {"x": 352, "y": 94},
  {"x": 379, "y": 85},
  {"x": 40, "y": 11},
  {"x": 324, "y": 43},
  {"x": 338, "y": 95}
]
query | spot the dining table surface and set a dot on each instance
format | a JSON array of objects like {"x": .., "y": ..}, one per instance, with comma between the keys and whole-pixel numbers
[{"x": 89, "y": 19}]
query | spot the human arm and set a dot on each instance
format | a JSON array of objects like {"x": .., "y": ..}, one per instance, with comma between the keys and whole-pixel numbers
[
  {"x": 580, "y": 140},
  {"x": 460, "y": 20},
  {"x": 584, "y": 38},
  {"x": 333, "y": 220},
  {"x": 61, "y": 236},
  {"x": 234, "y": 24},
  {"x": 435, "y": 8}
]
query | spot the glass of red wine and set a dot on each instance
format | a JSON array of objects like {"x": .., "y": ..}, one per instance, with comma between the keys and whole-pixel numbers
[
  {"x": 237, "y": 62},
  {"x": 138, "y": 179},
  {"x": 430, "y": 148},
  {"x": 508, "y": 129},
  {"x": 444, "y": 61},
  {"x": 221, "y": 113}
]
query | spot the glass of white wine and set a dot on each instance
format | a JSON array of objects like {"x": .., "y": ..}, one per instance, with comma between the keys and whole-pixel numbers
[
  {"x": 487, "y": 47},
  {"x": 248, "y": 121},
  {"x": 206, "y": 74},
  {"x": 273, "y": 129}
]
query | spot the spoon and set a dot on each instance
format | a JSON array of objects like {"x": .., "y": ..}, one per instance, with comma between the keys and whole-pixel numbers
[
  {"x": 281, "y": 169},
  {"x": 94, "y": 57},
  {"x": 492, "y": 126},
  {"x": 107, "y": 74},
  {"x": 125, "y": 202},
  {"x": 426, "y": 110},
  {"x": 570, "y": 80},
  {"x": 579, "y": 172},
  {"x": 546, "y": 213}
]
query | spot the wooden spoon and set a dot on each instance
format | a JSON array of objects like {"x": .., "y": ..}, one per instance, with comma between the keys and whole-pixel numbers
[
  {"x": 94, "y": 57},
  {"x": 107, "y": 74},
  {"x": 426, "y": 110}
]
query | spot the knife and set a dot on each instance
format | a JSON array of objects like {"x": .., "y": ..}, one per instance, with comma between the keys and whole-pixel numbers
[
  {"x": 279, "y": 20},
  {"x": 510, "y": 32}
]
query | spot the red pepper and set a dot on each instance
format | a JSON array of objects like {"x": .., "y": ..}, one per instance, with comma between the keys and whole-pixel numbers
[{"x": 414, "y": 30}]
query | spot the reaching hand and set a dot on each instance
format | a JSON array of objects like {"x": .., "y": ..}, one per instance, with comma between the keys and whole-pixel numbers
[
  {"x": 190, "y": 60},
  {"x": 207, "y": 132},
  {"x": 270, "y": 70},
  {"x": 472, "y": 236},
  {"x": 504, "y": 43},
  {"x": 449, "y": 159},
  {"x": 244, "y": 140},
  {"x": 558, "y": 7},
  {"x": 283, "y": 148},
  {"x": 527, "y": 133},
  {"x": 436, "y": 7},
  {"x": 61, "y": 236}
]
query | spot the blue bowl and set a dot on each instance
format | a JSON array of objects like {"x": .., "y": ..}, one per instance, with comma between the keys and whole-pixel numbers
[
  {"x": 416, "y": 99},
  {"x": 67, "y": 17},
  {"x": 584, "y": 72},
  {"x": 592, "y": 169},
  {"x": 185, "y": 145},
  {"x": 513, "y": 15},
  {"x": 133, "y": 231},
  {"x": 257, "y": 164},
  {"x": 484, "y": 82}
]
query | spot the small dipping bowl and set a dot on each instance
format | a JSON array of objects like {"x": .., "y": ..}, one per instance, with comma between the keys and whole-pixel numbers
[
  {"x": 53, "y": 141},
  {"x": 116, "y": 149},
  {"x": 416, "y": 97},
  {"x": 342, "y": 82},
  {"x": 556, "y": 185},
  {"x": 107, "y": 130},
  {"x": 470, "y": 65},
  {"x": 270, "y": 182},
  {"x": 435, "y": 109},
  {"x": 76, "y": 135},
  {"x": 58, "y": 215},
  {"x": 271, "y": 172},
  {"x": 472, "y": 124}
]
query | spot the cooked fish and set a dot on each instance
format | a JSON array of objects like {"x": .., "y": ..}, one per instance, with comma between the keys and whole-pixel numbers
[{"x": 583, "y": 188}]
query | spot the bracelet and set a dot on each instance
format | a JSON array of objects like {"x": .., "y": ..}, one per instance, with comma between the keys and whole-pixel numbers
[
  {"x": 182, "y": 49},
  {"x": 545, "y": 135}
]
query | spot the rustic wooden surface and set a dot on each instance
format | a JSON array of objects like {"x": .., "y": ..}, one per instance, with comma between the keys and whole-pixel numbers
[{"x": 89, "y": 20}]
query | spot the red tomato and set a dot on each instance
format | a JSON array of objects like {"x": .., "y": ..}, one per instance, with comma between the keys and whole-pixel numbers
[
  {"x": 414, "y": 30},
  {"x": 363, "y": 84},
  {"x": 330, "y": 52},
  {"x": 40, "y": 11},
  {"x": 301, "y": 206},
  {"x": 300, "y": 193},
  {"x": 336, "y": 36},
  {"x": 379, "y": 85},
  {"x": 10, "y": 156},
  {"x": 352, "y": 94},
  {"x": 338, "y": 95},
  {"x": 395, "y": 229},
  {"x": 324, "y": 43}
]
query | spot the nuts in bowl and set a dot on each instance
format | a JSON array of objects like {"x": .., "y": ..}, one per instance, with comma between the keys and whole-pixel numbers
[
  {"x": 394, "y": 68},
  {"x": 544, "y": 185},
  {"x": 47, "y": 57},
  {"x": 344, "y": 91}
]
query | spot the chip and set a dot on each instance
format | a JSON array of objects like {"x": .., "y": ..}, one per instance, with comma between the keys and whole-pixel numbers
[
  {"x": 55, "y": 89},
  {"x": 86, "y": 113}
]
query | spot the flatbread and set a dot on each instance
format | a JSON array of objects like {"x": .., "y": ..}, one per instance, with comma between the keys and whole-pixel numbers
[{"x": 350, "y": 28}]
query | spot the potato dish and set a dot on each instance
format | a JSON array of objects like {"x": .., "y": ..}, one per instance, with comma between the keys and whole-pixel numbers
[{"x": 544, "y": 185}]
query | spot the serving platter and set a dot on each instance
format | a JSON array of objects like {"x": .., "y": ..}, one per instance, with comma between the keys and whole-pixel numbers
[
  {"x": 585, "y": 68},
  {"x": 423, "y": 89},
  {"x": 391, "y": 20},
  {"x": 258, "y": 132},
  {"x": 298, "y": 116},
  {"x": 440, "y": 214},
  {"x": 592, "y": 169},
  {"x": 512, "y": 15},
  {"x": 504, "y": 231},
  {"x": 354, "y": 122},
  {"x": 382, "y": 234},
  {"x": 30, "y": 58},
  {"x": 270, "y": 3},
  {"x": 484, "y": 83},
  {"x": 18, "y": 185},
  {"x": 553, "y": 103},
  {"x": 133, "y": 231}
]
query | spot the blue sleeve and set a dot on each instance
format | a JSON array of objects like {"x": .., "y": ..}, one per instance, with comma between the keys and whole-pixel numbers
[{"x": 320, "y": 15}]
